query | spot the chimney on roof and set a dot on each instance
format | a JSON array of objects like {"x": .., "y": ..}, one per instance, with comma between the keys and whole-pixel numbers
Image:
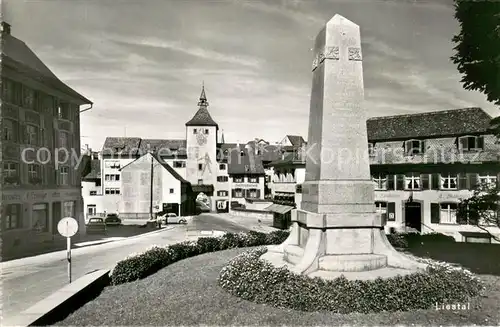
[{"x": 5, "y": 28}]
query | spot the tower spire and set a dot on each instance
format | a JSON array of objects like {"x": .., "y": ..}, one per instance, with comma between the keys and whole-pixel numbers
[{"x": 203, "y": 97}]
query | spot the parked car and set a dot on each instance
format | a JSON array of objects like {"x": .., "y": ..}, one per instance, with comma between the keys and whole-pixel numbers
[
  {"x": 112, "y": 219},
  {"x": 172, "y": 218},
  {"x": 96, "y": 225}
]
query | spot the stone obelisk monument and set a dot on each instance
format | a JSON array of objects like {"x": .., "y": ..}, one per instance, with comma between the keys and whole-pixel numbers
[{"x": 337, "y": 231}]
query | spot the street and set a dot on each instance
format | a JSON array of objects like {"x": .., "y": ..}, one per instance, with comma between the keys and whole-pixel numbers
[{"x": 27, "y": 281}]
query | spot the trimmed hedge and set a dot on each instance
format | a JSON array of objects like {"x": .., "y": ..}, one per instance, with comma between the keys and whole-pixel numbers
[
  {"x": 253, "y": 279},
  {"x": 141, "y": 265}
]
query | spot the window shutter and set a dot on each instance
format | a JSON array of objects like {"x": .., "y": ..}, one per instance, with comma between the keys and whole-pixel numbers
[
  {"x": 422, "y": 146},
  {"x": 461, "y": 215},
  {"x": 462, "y": 181},
  {"x": 400, "y": 182},
  {"x": 425, "y": 181},
  {"x": 463, "y": 144},
  {"x": 435, "y": 211},
  {"x": 258, "y": 194},
  {"x": 406, "y": 146},
  {"x": 472, "y": 181},
  {"x": 391, "y": 211},
  {"x": 390, "y": 182},
  {"x": 480, "y": 142},
  {"x": 435, "y": 182},
  {"x": 247, "y": 193}
]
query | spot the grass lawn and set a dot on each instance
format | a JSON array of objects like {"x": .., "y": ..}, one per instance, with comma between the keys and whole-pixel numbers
[
  {"x": 60, "y": 244},
  {"x": 478, "y": 258},
  {"x": 187, "y": 293}
]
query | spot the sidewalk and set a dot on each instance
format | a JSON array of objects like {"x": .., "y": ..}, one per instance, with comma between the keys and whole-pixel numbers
[{"x": 57, "y": 255}]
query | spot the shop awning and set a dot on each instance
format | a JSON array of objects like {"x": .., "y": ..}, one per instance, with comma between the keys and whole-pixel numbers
[{"x": 279, "y": 208}]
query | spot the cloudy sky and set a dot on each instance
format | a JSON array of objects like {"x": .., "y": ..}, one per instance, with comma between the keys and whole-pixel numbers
[{"x": 142, "y": 62}]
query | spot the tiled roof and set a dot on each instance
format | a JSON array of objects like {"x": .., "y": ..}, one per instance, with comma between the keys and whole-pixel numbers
[
  {"x": 296, "y": 140},
  {"x": 430, "y": 124},
  {"x": 122, "y": 146},
  {"x": 95, "y": 172},
  {"x": 164, "y": 147},
  {"x": 17, "y": 55},
  {"x": 202, "y": 118},
  {"x": 248, "y": 164}
]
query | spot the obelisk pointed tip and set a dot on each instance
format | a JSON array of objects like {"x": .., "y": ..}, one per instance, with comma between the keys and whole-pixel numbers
[{"x": 339, "y": 19}]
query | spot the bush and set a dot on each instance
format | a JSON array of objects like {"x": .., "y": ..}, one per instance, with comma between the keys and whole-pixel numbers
[
  {"x": 253, "y": 279},
  {"x": 416, "y": 238},
  {"x": 397, "y": 240},
  {"x": 141, "y": 265}
]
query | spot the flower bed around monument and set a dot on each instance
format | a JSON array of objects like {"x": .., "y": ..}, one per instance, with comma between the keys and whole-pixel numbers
[
  {"x": 253, "y": 279},
  {"x": 140, "y": 265}
]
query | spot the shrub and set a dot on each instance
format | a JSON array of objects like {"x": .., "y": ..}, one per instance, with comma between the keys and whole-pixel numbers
[
  {"x": 416, "y": 238},
  {"x": 253, "y": 279},
  {"x": 141, "y": 265},
  {"x": 397, "y": 240}
]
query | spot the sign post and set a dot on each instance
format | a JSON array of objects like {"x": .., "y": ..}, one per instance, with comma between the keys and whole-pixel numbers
[{"x": 68, "y": 227}]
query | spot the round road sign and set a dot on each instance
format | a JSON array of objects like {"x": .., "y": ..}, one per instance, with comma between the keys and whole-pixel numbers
[{"x": 67, "y": 227}]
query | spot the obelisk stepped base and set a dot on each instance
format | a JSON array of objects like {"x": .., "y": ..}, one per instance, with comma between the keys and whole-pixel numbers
[{"x": 356, "y": 253}]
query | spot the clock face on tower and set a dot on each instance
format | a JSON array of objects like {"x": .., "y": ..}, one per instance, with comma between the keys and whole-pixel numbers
[{"x": 202, "y": 140}]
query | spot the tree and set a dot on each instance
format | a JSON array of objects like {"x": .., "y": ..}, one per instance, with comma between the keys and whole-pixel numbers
[
  {"x": 477, "y": 50},
  {"x": 482, "y": 208}
]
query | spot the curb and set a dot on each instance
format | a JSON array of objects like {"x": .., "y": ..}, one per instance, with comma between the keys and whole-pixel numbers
[
  {"x": 63, "y": 302},
  {"x": 60, "y": 253}
]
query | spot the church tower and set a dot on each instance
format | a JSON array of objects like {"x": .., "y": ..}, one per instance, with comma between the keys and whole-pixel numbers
[{"x": 201, "y": 143}]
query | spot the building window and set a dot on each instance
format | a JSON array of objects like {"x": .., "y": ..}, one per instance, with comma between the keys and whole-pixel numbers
[
  {"x": 63, "y": 139},
  {"x": 31, "y": 134},
  {"x": 380, "y": 182},
  {"x": 10, "y": 171},
  {"x": 200, "y": 182},
  {"x": 488, "y": 179},
  {"x": 9, "y": 130},
  {"x": 112, "y": 191},
  {"x": 253, "y": 193},
  {"x": 13, "y": 216},
  {"x": 41, "y": 217},
  {"x": 222, "y": 193},
  {"x": 412, "y": 181},
  {"x": 222, "y": 179},
  {"x": 179, "y": 164},
  {"x": 222, "y": 167},
  {"x": 171, "y": 191},
  {"x": 253, "y": 179},
  {"x": 117, "y": 177},
  {"x": 448, "y": 213},
  {"x": 449, "y": 181},
  {"x": 206, "y": 131},
  {"x": 381, "y": 208},
  {"x": 17, "y": 92},
  {"x": 200, "y": 166},
  {"x": 7, "y": 90},
  {"x": 470, "y": 143},
  {"x": 63, "y": 111},
  {"x": 238, "y": 179},
  {"x": 238, "y": 193},
  {"x": 69, "y": 209},
  {"x": 414, "y": 147},
  {"x": 112, "y": 164},
  {"x": 91, "y": 210},
  {"x": 93, "y": 192},
  {"x": 28, "y": 97},
  {"x": 63, "y": 175},
  {"x": 107, "y": 177},
  {"x": 371, "y": 149},
  {"x": 195, "y": 131},
  {"x": 34, "y": 174}
]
